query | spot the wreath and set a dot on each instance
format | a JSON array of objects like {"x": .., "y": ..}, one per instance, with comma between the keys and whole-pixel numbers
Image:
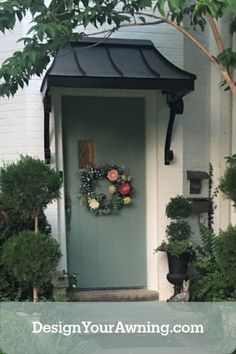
[{"x": 119, "y": 187}]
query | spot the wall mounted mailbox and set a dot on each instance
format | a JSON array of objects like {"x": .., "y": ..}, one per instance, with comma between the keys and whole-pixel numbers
[
  {"x": 195, "y": 178},
  {"x": 200, "y": 205}
]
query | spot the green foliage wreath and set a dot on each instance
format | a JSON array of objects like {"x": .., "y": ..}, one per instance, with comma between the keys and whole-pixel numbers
[{"x": 119, "y": 187}]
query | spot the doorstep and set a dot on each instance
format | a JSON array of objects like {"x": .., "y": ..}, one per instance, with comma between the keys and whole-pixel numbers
[{"x": 115, "y": 295}]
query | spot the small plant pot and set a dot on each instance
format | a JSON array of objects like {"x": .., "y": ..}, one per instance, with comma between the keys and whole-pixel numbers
[{"x": 178, "y": 270}]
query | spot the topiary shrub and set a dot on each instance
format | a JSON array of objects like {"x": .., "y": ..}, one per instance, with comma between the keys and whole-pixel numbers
[
  {"x": 178, "y": 232},
  {"x": 28, "y": 186},
  {"x": 32, "y": 258},
  {"x": 178, "y": 207},
  {"x": 11, "y": 223}
]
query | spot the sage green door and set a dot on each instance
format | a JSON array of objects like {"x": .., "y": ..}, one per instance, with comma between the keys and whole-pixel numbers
[{"x": 106, "y": 251}]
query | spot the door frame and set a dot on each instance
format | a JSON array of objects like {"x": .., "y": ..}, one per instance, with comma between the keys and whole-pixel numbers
[{"x": 151, "y": 99}]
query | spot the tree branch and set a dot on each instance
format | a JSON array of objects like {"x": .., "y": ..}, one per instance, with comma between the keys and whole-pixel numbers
[
  {"x": 187, "y": 34},
  {"x": 216, "y": 33},
  {"x": 224, "y": 72},
  {"x": 174, "y": 24},
  {"x": 64, "y": 29},
  {"x": 113, "y": 29}
]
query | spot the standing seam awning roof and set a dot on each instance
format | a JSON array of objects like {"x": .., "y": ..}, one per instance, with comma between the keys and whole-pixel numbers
[{"x": 116, "y": 63}]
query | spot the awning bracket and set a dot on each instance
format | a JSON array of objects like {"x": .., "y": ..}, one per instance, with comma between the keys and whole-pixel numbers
[{"x": 176, "y": 105}]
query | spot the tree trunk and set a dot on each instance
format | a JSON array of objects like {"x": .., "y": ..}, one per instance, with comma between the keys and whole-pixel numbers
[
  {"x": 36, "y": 229},
  {"x": 35, "y": 294},
  {"x": 36, "y": 224}
]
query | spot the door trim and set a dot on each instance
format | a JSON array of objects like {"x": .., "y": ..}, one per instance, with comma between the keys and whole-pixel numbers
[{"x": 151, "y": 99}]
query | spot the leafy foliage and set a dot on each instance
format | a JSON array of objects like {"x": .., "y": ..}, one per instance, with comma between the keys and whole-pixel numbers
[
  {"x": 233, "y": 26},
  {"x": 10, "y": 289},
  {"x": 209, "y": 281},
  {"x": 208, "y": 239},
  {"x": 176, "y": 248},
  {"x": 32, "y": 258},
  {"x": 225, "y": 246},
  {"x": 178, "y": 207},
  {"x": 27, "y": 186},
  {"x": 211, "y": 196},
  {"x": 227, "y": 58},
  {"x": 178, "y": 230},
  {"x": 227, "y": 182},
  {"x": 58, "y": 23},
  {"x": 216, "y": 7},
  {"x": 11, "y": 224}
]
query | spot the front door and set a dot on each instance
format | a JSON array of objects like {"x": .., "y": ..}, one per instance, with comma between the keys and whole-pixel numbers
[{"x": 106, "y": 251}]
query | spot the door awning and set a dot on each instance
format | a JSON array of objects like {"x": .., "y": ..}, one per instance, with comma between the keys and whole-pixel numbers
[{"x": 116, "y": 63}]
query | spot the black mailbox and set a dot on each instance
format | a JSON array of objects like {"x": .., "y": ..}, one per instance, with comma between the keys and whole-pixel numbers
[
  {"x": 195, "y": 178},
  {"x": 200, "y": 205}
]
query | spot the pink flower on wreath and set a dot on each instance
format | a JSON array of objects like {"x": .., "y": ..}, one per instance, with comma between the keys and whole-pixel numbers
[
  {"x": 125, "y": 188},
  {"x": 113, "y": 175}
]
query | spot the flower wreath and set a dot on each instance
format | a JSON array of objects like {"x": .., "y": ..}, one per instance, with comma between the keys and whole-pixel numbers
[{"x": 120, "y": 189}]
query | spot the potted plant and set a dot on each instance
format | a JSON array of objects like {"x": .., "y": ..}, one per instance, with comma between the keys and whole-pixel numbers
[{"x": 178, "y": 245}]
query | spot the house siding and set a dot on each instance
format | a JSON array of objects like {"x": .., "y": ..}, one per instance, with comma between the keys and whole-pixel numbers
[
  {"x": 222, "y": 125},
  {"x": 196, "y": 122}
]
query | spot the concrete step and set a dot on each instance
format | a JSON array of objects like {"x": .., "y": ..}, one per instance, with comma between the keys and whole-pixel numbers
[{"x": 114, "y": 295}]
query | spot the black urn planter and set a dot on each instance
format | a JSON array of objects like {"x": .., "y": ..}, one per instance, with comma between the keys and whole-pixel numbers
[{"x": 178, "y": 271}]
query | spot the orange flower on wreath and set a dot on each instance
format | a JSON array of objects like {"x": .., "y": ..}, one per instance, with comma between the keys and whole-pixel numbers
[{"x": 113, "y": 175}]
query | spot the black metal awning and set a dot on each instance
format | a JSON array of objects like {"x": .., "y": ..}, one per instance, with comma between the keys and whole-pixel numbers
[{"x": 116, "y": 63}]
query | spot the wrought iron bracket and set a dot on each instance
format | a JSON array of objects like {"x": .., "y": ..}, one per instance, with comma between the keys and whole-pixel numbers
[
  {"x": 47, "y": 110},
  {"x": 176, "y": 105}
]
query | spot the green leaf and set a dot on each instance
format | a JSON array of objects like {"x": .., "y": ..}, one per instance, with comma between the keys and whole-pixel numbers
[
  {"x": 26, "y": 80},
  {"x": 19, "y": 15},
  {"x": 33, "y": 55},
  {"x": 214, "y": 8},
  {"x": 160, "y": 4},
  {"x": 233, "y": 26},
  {"x": 21, "y": 84},
  {"x": 227, "y": 58},
  {"x": 174, "y": 4},
  {"x": 142, "y": 19},
  {"x": 231, "y": 4}
]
